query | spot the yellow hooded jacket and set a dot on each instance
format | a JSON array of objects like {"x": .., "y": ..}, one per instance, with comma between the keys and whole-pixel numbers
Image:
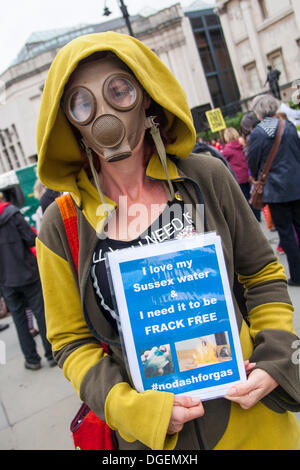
[{"x": 75, "y": 323}]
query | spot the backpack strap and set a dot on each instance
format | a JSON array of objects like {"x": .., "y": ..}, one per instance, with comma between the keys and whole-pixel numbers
[
  {"x": 69, "y": 216},
  {"x": 68, "y": 213}
]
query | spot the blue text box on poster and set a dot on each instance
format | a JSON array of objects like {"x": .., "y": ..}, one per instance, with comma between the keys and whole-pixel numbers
[{"x": 178, "y": 314}]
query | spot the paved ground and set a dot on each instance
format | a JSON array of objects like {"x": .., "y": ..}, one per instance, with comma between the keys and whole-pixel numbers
[{"x": 36, "y": 407}]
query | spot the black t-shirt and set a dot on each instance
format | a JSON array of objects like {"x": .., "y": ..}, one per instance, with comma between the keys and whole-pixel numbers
[{"x": 174, "y": 222}]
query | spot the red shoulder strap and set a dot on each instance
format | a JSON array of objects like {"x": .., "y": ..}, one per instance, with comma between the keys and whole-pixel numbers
[{"x": 69, "y": 216}]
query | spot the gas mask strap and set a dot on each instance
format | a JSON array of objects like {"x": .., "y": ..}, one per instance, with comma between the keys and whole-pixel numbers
[
  {"x": 95, "y": 176},
  {"x": 154, "y": 131}
]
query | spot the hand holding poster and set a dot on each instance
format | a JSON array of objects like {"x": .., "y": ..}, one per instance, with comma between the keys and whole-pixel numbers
[{"x": 177, "y": 317}]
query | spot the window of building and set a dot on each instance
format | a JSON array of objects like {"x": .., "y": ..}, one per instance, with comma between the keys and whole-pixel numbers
[
  {"x": 263, "y": 9},
  {"x": 220, "y": 50},
  {"x": 12, "y": 148},
  {"x": 215, "y": 59},
  {"x": 197, "y": 23},
  {"x": 7, "y": 157},
  {"x": 276, "y": 60},
  {"x": 215, "y": 91},
  {"x": 7, "y": 135},
  {"x": 15, "y": 130},
  {"x": 21, "y": 150},
  {"x": 205, "y": 52},
  {"x": 230, "y": 89},
  {"x": 252, "y": 78},
  {"x": 212, "y": 20},
  {"x": 14, "y": 156}
]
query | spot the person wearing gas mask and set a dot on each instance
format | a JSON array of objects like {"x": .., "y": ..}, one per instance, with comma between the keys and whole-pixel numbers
[{"x": 115, "y": 130}]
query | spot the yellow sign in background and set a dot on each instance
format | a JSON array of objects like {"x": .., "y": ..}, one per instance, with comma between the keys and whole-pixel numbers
[{"x": 215, "y": 120}]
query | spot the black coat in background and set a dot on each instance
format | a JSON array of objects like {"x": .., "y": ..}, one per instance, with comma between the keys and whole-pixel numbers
[
  {"x": 283, "y": 181},
  {"x": 47, "y": 198},
  {"x": 18, "y": 265}
]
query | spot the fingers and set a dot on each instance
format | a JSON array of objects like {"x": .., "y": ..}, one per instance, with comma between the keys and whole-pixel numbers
[
  {"x": 186, "y": 402},
  {"x": 244, "y": 389},
  {"x": 181, "y": 415},
  {"x": 258, "y": 385},
  {"x": 246, "y": 395},
  {"x": 247, "y": 401},
  {"x": 249, "y": 366},
  {"x": 185, "y": 409},
  {"x": 240, "y": 390}
]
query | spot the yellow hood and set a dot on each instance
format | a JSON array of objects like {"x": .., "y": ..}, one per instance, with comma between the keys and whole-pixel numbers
[{"x": 59, "y": 157}]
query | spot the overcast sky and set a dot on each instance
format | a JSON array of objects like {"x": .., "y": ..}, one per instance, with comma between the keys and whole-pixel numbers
[{"x": 19, "y": 18}]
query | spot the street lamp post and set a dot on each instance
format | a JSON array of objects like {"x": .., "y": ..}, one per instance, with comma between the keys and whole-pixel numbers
[{"x": 125, "y": 14}]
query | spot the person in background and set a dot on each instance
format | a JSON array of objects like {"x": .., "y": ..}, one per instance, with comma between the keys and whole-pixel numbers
[
  {"x": 38, "y": 190},
  {"x": 282, "y": 116},
  {"x": 3, "y": 312},
  {"x": 29, "y": 315},
  {"x": 273, "y": 77},
  {"x": 47, "y": 198},
  {"x": 234, "y": 154},
  {"x": 203, "y": 147},
  {"x": 216, "y": 144},
  {"x": 282, "y": 188},
  {"x": 233, "y": 151},
  {"x": 20, "y": 282},
  {"x": 248, "y": 123},
  {"x": 32, "y": 329}
]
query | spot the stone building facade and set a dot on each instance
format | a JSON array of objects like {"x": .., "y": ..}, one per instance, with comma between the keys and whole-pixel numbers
[
  {"x": 168, "y": 32},
  {"x": 261, "y": 33}
]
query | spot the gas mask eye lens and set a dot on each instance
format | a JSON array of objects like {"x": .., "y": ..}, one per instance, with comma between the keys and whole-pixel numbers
[
  {"x": 120, "y": 92},
  {"x": 80, "y": 106}
]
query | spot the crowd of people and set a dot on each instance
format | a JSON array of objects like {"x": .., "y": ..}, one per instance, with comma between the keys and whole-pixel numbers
[
  {"x": 114, "y": 124},
  {"x": 246, "y": 152}
]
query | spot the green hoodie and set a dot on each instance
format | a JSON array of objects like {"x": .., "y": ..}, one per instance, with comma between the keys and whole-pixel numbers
[{"x": 76, "y": 325}]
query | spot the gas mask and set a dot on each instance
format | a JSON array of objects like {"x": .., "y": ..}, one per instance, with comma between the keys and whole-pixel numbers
[{"x": 107, "y": 105}]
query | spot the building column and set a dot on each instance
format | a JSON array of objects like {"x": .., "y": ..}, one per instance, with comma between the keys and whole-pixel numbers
[
  {"x": 238, "y": 70},
  {"x": 198, "y": 87},
  {"x": 254, "y": 40}
]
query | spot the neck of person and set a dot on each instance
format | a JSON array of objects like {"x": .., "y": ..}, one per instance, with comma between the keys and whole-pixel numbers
[
  {"x": 126, "y": 183},
  {"x": 127, "y": 177}
]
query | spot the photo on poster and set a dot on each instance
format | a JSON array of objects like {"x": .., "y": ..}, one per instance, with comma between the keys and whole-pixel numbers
[
  {"x": 177, "y": 317},
  {"x": 203, "y": 351},
  {"x": 157, "y": 361}
]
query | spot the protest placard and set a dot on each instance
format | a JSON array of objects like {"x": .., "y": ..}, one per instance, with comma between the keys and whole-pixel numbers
[
  {"x": 216, "y": 120},
  {"x": 177, "y": 317}
]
